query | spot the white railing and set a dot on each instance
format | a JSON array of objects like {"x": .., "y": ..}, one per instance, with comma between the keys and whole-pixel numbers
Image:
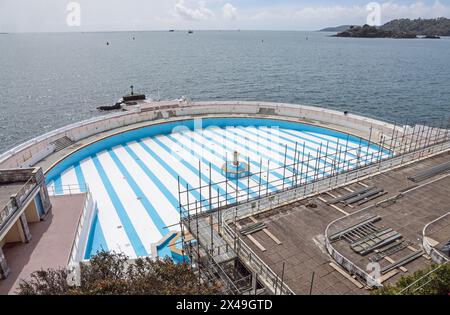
[
  {"x": 435, "y": 254},
  {"x": 83, "y": 228},
  {"x": 38, "y": 148},
  {"x": 67, "y": 190}
]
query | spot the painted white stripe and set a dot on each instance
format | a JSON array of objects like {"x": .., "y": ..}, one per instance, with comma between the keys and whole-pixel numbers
[
  {"x": 190, "y": 177},
  {"x": 353, "y": 146},
  {"x": 280, "y": 149},
  {"x": 244, "y": 153},
  {"x": 51, "y": 187},
  {"x": 189, "y": 157},
  {"x": 165, "y": 209},
  {"x": 142, "y": 222},
  {"x": 70, "y": 181},
  {"x": 159, "y": 170},
  {"x": 274, "y": 156},
  {"x": 115, "y": 236},
  {"x": 215, "y": 160}
]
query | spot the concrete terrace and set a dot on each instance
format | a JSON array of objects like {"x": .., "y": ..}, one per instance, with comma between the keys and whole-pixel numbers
[
  {"x": 301, "y": 226},
  {"x": 6, "y": 190},
  {"x": 50, "y": 245}
]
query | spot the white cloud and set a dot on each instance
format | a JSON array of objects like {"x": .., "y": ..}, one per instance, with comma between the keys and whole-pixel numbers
[
  {"x": 193, "y": 14},
  {"x": 229, "y": 12},
  {"x": 104, "y": 15},
  {"x": 358, "y": 14}
]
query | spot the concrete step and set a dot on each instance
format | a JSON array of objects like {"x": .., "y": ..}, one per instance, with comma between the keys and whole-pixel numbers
[{"x": 62, "y": 143}]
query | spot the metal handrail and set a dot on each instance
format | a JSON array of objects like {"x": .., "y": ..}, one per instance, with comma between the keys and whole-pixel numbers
[
  {"x": 430, "y": 250},
  {"x": 88, "y": 206},
  {"x": 15, "y": 204},
  {"x": 227, "y": 215},
  {"x": 69, "y": 189},
  {"x": 254, "y": 259}
]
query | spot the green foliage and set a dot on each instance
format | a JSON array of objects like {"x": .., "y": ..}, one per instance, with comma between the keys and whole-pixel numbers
[
  {"x": 401, "y": 28},
  {"x": 436, "y": 283},
  {"x": 430, "y": 27},
  {"x": 112, "y": 274}
]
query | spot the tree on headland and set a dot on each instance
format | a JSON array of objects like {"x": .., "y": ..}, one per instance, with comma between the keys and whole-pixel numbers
[
  {"x": 112, "y": 274},
  {"x": 439, "y": 26},
  {"x": 434, "y": 280},
  {"x": 401, "y": 28}
]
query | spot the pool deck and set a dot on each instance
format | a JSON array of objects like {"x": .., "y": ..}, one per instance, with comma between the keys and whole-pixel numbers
[
  {"x": 50, "y": 245},
  {"x": 301, "y": 229}
]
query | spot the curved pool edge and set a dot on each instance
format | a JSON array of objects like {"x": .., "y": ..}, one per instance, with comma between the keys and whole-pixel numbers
[
  {"x": 164, "y": 127},
  {"x": 40, "y": 150}
]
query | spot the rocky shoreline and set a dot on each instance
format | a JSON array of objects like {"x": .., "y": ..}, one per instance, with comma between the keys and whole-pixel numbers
[
  {"x": 367, "y": 31},
  {"x": 401, "y": 28}
]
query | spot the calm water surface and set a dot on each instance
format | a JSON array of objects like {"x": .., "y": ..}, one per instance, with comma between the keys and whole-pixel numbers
[{"x": 50, "y": 80}]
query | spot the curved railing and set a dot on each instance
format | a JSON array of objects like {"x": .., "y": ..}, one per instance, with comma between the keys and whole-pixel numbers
[
  {"x": 435, "y": 254},
  {"x": 32, "y": 151}
]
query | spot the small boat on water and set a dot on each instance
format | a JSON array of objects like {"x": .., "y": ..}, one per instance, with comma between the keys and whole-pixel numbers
[{"x": 190, "y": 32}]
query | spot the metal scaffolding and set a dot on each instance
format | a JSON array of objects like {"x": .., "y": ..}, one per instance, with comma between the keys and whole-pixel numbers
[{"x": 218, "y": 250}]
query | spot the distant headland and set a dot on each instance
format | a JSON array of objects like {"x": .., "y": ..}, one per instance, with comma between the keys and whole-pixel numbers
[{"x": 400, "y": 28}]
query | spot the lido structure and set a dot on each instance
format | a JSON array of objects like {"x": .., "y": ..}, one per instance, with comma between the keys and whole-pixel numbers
[{"x": 156, "y": 180}]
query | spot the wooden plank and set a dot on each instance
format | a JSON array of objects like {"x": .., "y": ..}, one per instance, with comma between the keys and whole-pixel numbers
[
  {"x": 346, "y": 275},
  {"x": 258, "y": 244},
  {"x": 362, "y": 184},
  {"x": 389, "y": 275},
  {"x": 251, "y": 238},
  {"x": 333, "y": 206},
  {"x": 331, "y": 195},
  {"x": 268, "y": 233}
]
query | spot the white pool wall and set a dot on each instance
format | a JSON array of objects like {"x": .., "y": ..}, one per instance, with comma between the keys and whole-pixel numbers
[{"x": 35, "y": 150}]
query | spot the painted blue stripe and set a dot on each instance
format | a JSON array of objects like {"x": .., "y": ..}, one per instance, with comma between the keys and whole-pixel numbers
[
  {"x": 293, "y": 142},
  {"x": 216, "y": 168},
  {"x": 166, "y": 128},
  {"x": 256, "y": 177},
  {"x": 172, "y": 199},
  {"x": 193, "y": 169},
  {"x": 289, "y": 148},
  {"x": 120, "y": 209},
  {"x": 324, "y": 145},
  {"x": 332, "y": 141},
  {"x": 287, "y": 132},
  {"x": 273, "y": 172},
  {"x": 80, "y": 177},
  {"x": 172, "y": 172},
  {"x": 270, "y": 149},
  {"x": 96, "y": 241},
  {"x": 351, "y": 139},
  {"x": 154, "y": 215},
  {"x": 58, "y": 185},
  {"x": 364, "y": 144}
]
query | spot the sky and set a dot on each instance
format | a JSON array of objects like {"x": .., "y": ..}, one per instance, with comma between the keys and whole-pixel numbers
[{"x": 137, "y": 15}]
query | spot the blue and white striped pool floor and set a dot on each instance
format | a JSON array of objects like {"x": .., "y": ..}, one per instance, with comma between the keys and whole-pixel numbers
[{"x": 135, "y": 184}]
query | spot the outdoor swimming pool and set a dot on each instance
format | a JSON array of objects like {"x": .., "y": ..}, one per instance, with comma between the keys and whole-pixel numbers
[{"x": 134, "y": 176}]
